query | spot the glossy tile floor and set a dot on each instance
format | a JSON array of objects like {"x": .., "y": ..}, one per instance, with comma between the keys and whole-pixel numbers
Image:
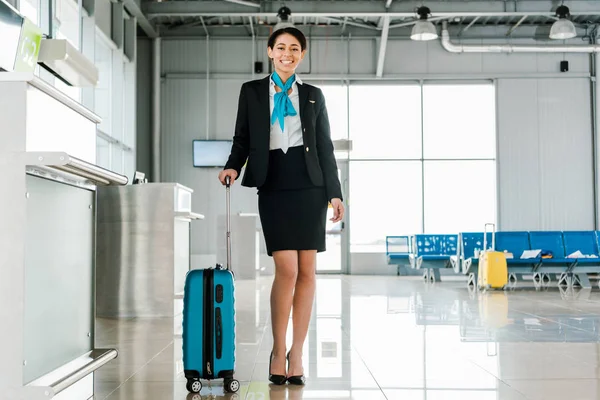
[{"x": 385, "y": 338}]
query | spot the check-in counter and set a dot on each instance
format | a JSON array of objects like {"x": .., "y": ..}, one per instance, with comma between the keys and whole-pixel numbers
[
  {"x": 143, "y": 249},
  {"x": 47, "y": 242}
]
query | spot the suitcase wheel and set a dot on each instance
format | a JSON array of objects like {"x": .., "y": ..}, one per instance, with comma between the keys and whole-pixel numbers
[
  {"x": 232, "y": 385},
  {"x": 194, "y": 386}
]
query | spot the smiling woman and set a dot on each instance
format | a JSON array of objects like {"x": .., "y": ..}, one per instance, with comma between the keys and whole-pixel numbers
[
  {"x": 287, "y": 50},
  {"x": 282, "y": 130}
]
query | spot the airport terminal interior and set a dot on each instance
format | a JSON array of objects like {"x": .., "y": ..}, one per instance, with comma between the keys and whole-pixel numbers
[{"x": 465, "y": 135}]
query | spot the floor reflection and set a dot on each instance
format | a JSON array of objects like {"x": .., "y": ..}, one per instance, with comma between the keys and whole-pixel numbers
[{"x": 384, "y": 338}]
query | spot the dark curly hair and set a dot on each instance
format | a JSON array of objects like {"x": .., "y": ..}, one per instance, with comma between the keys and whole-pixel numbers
[{"x": 295, "y": 32}]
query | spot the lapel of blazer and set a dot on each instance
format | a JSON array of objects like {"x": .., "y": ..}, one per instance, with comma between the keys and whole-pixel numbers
[
  {"x": 303, "y": 92},
  {"x": 264, "y": 106}
]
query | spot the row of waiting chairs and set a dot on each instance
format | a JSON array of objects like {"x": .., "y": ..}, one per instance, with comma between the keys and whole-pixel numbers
[{"x": 459, "y": 252}]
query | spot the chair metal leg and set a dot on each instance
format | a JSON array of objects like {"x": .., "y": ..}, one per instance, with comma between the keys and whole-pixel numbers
[
  {"x": 582, "y": 280},
  {"x": 546, "y": 278},
  {"x": 565, "y": 279},
  {"x": 431, "y": 275},
  {"x": 472, "y": 279}
]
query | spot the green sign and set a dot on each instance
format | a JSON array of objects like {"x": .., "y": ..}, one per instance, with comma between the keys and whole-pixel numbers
[{"x": 29, "y": 47}]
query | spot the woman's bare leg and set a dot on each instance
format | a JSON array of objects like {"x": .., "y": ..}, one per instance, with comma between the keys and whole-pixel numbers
[
  {"x": 303, "y": 303},
  {"x": 282, "y": 292}
]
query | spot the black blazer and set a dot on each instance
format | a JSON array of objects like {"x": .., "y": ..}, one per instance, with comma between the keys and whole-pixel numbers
[{"x": 252, "y": 137}]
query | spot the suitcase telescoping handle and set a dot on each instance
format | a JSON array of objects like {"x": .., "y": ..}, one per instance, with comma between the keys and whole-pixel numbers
[
  {"x": 493, "y": 236},
  {"x": 228, "y": 197}
]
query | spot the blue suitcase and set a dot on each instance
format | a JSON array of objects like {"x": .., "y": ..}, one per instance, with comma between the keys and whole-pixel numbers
[{"x": 209, "y": 324}]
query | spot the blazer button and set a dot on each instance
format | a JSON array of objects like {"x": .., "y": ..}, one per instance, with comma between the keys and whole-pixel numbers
[{"x": 307, "y": 149}]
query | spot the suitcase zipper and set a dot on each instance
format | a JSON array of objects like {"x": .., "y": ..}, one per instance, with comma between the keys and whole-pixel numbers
[{"x": 208, "y": 322}]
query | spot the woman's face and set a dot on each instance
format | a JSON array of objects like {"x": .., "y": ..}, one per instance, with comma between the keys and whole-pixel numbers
[{"x": 286, "y": 54}]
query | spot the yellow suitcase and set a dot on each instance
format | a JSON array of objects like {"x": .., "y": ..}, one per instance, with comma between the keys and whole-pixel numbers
[{"x": 493, "y": 271}]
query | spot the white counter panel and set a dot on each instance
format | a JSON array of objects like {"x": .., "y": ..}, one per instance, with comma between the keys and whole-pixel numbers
[{"x": 51, "y": 126}]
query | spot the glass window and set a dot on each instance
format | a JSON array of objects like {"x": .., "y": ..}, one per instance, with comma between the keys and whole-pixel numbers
[
  {"x": 30, "y": 9},
  {"x": 385, "y": 121},
  {"x": 117, "y": 160},
  {"x": 102, "y": 91},
  {"x": 129, "y": 164},
  {"x": 102, "y": 153},
  {"x": 459, "y": 121},
  {"x": 385, "y": 200},
  {"x": 336, "y": 99},
  {"x": 459, "y": 195},
  {"x": 67, "y": 21},
  {"x": 130, "y": 105},
  {"x": 117, "y": 96}
]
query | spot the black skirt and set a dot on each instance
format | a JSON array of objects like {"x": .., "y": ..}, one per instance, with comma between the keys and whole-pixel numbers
[{"x": 293, "y": 211}]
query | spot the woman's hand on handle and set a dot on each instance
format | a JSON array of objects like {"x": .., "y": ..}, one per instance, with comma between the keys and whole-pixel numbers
[
  {"x": 231, "y": 173},
  {"x": 338, "y": 210}
]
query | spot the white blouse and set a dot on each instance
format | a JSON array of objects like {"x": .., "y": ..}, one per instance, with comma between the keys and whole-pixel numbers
[{"x": 292, "y": 126}]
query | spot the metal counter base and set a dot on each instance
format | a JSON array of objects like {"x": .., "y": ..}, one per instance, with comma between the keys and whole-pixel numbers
[{"x": 143, "y": 249}]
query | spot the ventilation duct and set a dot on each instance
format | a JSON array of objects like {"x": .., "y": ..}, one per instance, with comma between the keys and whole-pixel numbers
[
  {"x": 510, "y": 48},
  {"x": 66, "y": 62}
]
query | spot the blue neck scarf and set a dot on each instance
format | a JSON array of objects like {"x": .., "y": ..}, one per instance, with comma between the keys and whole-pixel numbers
[{"x": 282, "y": 104}]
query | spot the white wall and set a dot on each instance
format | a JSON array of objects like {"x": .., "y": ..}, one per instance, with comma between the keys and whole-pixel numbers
[
  {"x": 546, "y": 160},
  {"x": 330, "y": 57},
  {"x": 544, "y": 121}
]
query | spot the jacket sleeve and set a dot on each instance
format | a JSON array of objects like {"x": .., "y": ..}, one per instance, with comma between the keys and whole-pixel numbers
[
  {"x": 325, "y": 152},
  {"x": 241, "y": 139}
]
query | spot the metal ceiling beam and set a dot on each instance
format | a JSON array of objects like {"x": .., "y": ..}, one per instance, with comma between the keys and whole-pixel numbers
[
  {"x": 466, "y": 28},
  {"x": 357, "y": 24},
  {"x": 134, "y": 9},
  {"x": 252, "y": 27},
  {"x": 523, "y": 18},
  {"x": 182, "y": 25},
  {"x": 409, "y": 23},
  {"x": 366, "y": 8},
  {"x": 244, "y": 3},
  {"x": 382, "y": 46},
  {"x": 388, "y": 3},
  {"x": 204, "y": 26}
]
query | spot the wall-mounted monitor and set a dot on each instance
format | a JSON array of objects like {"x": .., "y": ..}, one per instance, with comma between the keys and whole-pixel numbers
[{"x": 211, "y": 153}]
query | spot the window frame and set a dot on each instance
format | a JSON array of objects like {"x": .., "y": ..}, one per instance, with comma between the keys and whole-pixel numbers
[{"x": 422, "y": 159}]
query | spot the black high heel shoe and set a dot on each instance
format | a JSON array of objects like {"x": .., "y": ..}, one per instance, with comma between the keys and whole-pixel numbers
[
  {"x": 276, "y": 379},
  {"x": 297, "y": 379}
]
